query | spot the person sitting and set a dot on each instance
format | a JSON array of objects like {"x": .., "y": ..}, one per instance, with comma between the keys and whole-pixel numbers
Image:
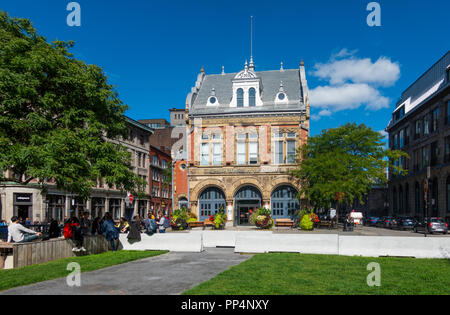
[
  {"x": 123, "y": 226},
  {"x": 20, "y": 234}
]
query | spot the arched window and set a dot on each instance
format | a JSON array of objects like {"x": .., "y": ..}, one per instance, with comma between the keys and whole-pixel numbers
[
  {"x": 251, "y": 97},
  {"x": 284, "y": 202},
  {"x": 210, "y": 201},
  {"x": 240, "y": 98}
]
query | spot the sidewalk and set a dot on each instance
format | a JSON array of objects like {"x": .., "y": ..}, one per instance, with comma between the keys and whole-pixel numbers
[{"x": 167, "y": 274}]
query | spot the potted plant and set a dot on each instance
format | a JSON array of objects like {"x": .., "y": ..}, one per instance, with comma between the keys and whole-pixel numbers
[
  {"x": 219, "y": 219},
  {"x": 262, "y": 218},
  {"x": 307, "y": 219},
  {"x": 180, "y": 219}
]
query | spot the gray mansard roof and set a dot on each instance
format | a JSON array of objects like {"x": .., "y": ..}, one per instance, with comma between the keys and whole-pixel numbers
[{"x": 294, "y": 85}]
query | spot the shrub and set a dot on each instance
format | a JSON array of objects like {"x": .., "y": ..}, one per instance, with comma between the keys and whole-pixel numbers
[{"x": 306, "y": 223}]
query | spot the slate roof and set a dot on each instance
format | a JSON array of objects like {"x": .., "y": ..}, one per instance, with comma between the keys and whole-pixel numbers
[{"x": 270, "y": 82}]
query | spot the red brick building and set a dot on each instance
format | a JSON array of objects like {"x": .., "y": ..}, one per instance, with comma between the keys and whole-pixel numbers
[{"x": 159, "y": 179}]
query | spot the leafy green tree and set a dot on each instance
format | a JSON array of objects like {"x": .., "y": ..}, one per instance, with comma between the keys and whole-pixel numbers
[
  {"x": 342, "y": 164},
  {"x": 55, "y": 115}
]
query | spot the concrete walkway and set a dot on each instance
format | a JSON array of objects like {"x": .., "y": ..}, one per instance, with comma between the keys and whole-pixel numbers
[{"x": 171, "y": 273}]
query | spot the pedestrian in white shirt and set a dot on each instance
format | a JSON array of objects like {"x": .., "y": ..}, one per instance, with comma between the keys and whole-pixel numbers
[
  {"x": 20, "y": 234},
  {"x": 162, "y": 229}
]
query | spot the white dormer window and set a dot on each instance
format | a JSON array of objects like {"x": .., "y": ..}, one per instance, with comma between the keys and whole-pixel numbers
[
  {"x": 212, "y": 100},
  {"x": 281, "y": 97},
  {"x": 247, "y": 89}
]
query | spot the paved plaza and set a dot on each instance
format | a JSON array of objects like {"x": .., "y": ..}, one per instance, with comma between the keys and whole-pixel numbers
[{"x": 167, "y": 274}]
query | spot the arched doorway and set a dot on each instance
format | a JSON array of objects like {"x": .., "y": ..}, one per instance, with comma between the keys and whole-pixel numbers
[
  {"x": 246, "y": 200},
  {"x": 209, "y": 202},
  {"x": 284, "y": 202}
]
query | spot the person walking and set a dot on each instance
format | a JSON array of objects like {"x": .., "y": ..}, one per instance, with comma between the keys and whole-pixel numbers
[
  {"x": 109, "y": 230},
  {"x": 20, "y": 234}
]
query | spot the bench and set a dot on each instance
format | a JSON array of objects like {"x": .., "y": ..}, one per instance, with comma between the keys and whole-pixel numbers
[
  {"x": 328, "y": 224},
  {"x": 284, "y": 222},
  {"x": 196, "y": 224},
  {"x": 208, "y": 222}
]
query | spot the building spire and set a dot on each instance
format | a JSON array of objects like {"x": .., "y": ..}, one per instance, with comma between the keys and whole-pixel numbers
[{"x": 252, "y": 65}]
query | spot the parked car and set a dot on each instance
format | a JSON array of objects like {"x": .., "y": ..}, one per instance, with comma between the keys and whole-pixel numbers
[
  {"x": 385, "y": 222},
  {"x": 371, "y": 221},
  {"x": 431, "y": 225},
  {"x": 404, "y": 223}
]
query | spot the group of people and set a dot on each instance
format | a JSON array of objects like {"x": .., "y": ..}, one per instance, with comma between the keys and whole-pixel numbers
[{"x": 77, "y": 228}]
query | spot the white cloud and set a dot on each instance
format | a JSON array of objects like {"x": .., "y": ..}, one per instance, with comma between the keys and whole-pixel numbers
[
  {"x": 347, "y": 96},
  {"x": 382, "y": 72},
  {"x": 353, "y": 82}
]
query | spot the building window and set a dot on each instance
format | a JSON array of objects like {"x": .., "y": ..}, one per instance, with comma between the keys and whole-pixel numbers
[
  {"x": 418, "y": 132},
  {"x": 425, "y": 157},
  {"x": 447, "y": 150},
  {"x": 251, "y": 97},
  {"x": 448, "y": 194},
  {"x": 114, "y": 208},
  {"x": 407, "y": 135},
  {"x": 434, "y": 124},
  {"x": 205, "y": 154},
  {"x": 395, "y": 141},
  {"x": 240, "y": 153},
  {"x": 155, "y": 160},
  {"x": 217, "y": 153},
  {"x": 240, "y": 98},
  {"x": 434, "y": 153},
  {"x": 447, "y": 117},
  {"x": 417, "y": 198},
  {"x": 291, "y": 152},
  {"x": 426, "y": 124},
  {"x": 211, "y": 149},
  {"x": 155, "y": 175},
  {"x": 402, "y": 138}
]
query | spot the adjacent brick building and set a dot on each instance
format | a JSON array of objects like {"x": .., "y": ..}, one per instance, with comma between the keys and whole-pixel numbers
[{"x": 420, "y": 126}]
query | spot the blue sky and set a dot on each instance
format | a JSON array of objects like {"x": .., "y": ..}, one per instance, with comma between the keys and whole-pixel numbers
[{"x": 153, "y": 50}]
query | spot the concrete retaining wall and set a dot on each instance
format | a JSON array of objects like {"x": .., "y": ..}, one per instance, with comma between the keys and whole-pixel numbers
[
  {"x": 267, "y": 241},
  {"x": 307, "y": 243},
  {"x": 374, "y": 246},
  {"x": 176, "y": 242}
]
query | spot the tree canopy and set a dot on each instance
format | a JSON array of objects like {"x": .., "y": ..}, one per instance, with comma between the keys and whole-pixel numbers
[
  {"x": 342, "y": 164},
  {"x": 56, "y": 113}
]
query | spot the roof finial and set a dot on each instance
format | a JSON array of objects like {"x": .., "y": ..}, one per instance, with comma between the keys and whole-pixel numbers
[
  {"x": 223, "y": 70},
  {"x": 281, "y": 66},
  {"x": 202, "y": 70},
  {"x": 246, "y": 65},
  {"x": 302, "y": 64}
]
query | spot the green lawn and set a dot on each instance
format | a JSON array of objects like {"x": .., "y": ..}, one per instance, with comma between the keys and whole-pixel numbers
[
  {"x": 287, "y": 273},
  {"x": 11, "y": 278}
]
